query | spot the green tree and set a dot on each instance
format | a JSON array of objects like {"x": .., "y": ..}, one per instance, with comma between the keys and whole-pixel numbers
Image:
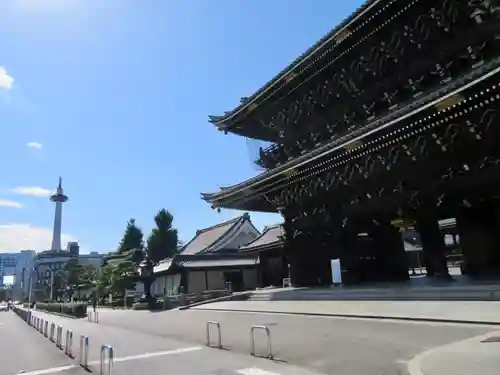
[
  {"x": 104, "y": 280},
  {"x": 133, "y": 238},
  {"x": 163, "y": 241},
  {"x": 90, "y": 273},
  {"x": 123, "y": 276},
  {"x": 75, "y": 273},
  {"x": 60, "y": 283}
]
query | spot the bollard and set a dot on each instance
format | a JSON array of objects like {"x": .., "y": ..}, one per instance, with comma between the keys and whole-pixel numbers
[
  {"x": 84, "y": 351},
  {"x": 252, "y": 341},
  {"x": 40, "y": 328},
  {"x": 59, "y": 337},
  {"x": 219, "y": 339},
  {"x": 52, "y": 331},
  {"x": 93, "y": 316},
  {"x": 107, "y": 349},
  {"x": 68, "y": 347},
  {"x": 46, "y": 329}
]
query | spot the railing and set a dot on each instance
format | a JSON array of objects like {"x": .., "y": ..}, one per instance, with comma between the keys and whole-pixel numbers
[
  {"x": 219, "y": 336},
  {"x": 268, "y": 340}
]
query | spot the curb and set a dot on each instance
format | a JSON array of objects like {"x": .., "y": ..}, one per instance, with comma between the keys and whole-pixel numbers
[
  {"x": 58, "y": 314},
  {"x": 359, "y": 316},
  {"x": 233, "y": 297}
]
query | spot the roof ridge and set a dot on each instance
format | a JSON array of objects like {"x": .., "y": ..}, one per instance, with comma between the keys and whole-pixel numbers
[
  {"x": 267, "y": 228},
  {"x": 230, "y": 221},
  {"x": 239, "y": 220}
]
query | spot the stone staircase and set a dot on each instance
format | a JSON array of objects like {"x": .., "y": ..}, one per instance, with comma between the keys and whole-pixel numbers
[{"x": 450, "y": 293}]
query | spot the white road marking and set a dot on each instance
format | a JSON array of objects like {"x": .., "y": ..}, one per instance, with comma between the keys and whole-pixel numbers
[
  {"x": 157, "y": 354},
  {"x": 125, "y": 359},
  {"x": 51, "y": 370},
  {"x": 255, "y": 371}
]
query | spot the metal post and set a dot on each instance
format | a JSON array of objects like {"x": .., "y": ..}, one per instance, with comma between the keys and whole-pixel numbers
[
  {"x": 106, "y": 349},
  {"x": 46, "y": 329},
  {"x": 84, "y": 351},
  {"x": 52, "y": 331},
  {"x": 68, "y": 347},
  {"x": 40, "y": 327},
  {"x": 252, "y": 341},
  {"x": 59, "y": 337},
  {"x": 219, "y": 338},
  {"x": 30, "y": 288},
  {"x": 96, "y": 316}
]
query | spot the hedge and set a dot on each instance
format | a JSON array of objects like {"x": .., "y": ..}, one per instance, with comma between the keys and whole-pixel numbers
[
  {"x": 76, "y": 309},
  {"x": 22, "y": 313}
]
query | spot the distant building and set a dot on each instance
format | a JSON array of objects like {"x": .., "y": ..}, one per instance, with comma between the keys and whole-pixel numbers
[
  {"x": 16, "y": 264},
  {"x": 47, "y": 262},
  {"x": 92, "y": 259},
  {"x": 73, "y": 248}
]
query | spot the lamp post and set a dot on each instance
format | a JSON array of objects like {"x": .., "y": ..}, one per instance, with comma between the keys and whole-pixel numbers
[
  {"x": 146, "y": 273},
  {"x": 30, "y": 289},
  {"x": 51, "y": 283}
]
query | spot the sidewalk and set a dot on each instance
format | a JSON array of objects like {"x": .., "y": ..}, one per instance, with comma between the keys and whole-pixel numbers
[
  {"x": 470, "y": 356},
  {"x": 440, "y": 311}
]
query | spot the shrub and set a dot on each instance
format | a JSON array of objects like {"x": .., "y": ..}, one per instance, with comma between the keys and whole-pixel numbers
[{"x": 76, "y": 309}]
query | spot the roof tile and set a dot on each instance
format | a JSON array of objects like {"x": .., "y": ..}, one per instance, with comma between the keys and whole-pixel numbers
[{"x": 208, "y": 237}]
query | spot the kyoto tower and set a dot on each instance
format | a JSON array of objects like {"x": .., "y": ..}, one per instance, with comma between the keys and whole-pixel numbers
[{"x": 58, "y": 198}]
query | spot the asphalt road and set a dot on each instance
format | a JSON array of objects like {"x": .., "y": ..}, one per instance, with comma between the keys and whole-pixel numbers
[
  {"x": 23, "y": 349},
  {"x": 327, "y": 345},
  {"x": 137, "y": 352}
]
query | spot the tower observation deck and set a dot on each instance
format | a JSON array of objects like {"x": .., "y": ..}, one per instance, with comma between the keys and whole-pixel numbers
[{"x": 58, "y": 198}]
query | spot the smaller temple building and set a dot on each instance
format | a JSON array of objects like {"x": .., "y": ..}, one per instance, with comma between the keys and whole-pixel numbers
[{"x": 211, "y": 261}]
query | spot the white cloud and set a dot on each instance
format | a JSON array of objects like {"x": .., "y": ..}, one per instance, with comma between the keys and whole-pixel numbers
[
  {"x": 12, "y": 204},
  {"x": 34, "y": 145},
  {"x": 34, "y": 191},
  {"x": 15, "y": 237},
  {"x": 6, "y": 80}
]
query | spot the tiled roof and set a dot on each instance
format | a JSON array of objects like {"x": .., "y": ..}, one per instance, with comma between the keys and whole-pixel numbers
[
  {"x": 207, "y": 238},
  {"x": 206, "y": 261},
  {"x": 270, "y": 236}
]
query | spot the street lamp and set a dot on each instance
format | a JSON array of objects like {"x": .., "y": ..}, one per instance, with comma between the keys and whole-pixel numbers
[
  {"x": 51, "y": 283},
  {"x": 146, "y": 272}
]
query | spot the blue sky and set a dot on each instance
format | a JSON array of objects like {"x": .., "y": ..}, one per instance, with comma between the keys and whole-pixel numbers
[{"x": 114, "y": 96}]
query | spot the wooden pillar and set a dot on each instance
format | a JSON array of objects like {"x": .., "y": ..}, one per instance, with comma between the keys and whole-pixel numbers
[
  {"x": 434, "y": 247},
  {"x": 480, "y": 240}
]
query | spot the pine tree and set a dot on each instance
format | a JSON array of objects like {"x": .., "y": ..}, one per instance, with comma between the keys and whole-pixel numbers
[
  {"x": 163, "y": 241},
  {"x": 132, "y": 238}
]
